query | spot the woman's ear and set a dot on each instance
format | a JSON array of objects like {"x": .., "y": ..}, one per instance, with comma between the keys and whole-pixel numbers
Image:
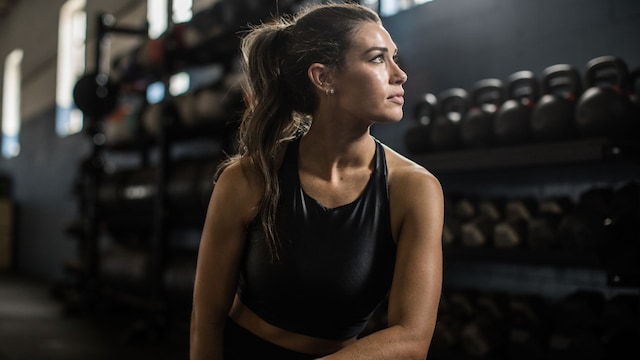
[{"x": 320, "y": 76}]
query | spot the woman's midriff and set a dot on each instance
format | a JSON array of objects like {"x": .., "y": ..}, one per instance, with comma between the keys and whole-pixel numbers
[{"x": 249, "y": 320}]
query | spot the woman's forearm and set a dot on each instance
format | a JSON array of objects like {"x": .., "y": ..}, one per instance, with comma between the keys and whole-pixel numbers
[
  {"x": 205, "y": 340},
  {"x": 393, "y": 343}
]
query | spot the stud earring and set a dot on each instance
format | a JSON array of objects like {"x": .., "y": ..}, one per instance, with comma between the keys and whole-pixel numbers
[{"x": 332, "y": 91}]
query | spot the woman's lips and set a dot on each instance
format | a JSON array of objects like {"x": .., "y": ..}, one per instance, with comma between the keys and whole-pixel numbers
[{"x": 398, "y": 99}]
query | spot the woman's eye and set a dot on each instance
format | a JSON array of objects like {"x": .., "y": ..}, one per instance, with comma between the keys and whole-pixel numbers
[{"x": 378, "y": 59}]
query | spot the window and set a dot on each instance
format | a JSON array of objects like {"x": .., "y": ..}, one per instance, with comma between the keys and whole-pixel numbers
[
  {"x": 11, "y": 104},
  {"x": 158, "y": 18},
  {"x": 182, "y": 11},
  {"x": 72, "y": 35}
]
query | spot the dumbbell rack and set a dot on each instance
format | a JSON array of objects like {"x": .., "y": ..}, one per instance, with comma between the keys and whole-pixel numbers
[
  {"x": 460, "y": 169},
  {"x": 603, "y": 153}
]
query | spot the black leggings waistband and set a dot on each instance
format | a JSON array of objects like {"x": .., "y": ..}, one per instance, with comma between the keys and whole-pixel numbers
[{"x": 241, "y": 344}]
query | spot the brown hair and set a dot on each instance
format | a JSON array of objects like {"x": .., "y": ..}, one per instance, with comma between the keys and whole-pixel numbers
[{"x": 279, "y": 96}]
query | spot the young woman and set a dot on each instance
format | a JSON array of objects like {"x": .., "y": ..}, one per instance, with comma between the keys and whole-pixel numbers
[{"x": 315, "y": 222}]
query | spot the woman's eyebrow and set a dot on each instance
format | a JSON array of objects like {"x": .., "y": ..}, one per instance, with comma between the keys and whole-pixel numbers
[{"x": 381, "y": 48}]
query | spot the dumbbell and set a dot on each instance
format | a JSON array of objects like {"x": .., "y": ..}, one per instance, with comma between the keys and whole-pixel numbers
[
  {"x": 478, "y": 232},
  {"x": 444, "y": 131},
  {"x": 512, "y": 230},
  {"x": 528, "y": 327},
  {"x": 575, "y": 330},
  {"x": 458, "y": 210},
  {"x": 583, "y": 228},
  {"x": 417, "y": 134},
  {"x": 512, "y": 124},
  {"x": 553, "y": 117},
  {"x": 604, "y": 109},
  {"x": 542, "y": 231},
  {"x": 457, "y": 309},
  {"x": 485, "y": 334},
  {"x": 476, "y": 126}
]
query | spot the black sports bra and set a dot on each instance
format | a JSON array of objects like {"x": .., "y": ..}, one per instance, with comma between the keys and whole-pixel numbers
[{"x": 335, "y": 265}]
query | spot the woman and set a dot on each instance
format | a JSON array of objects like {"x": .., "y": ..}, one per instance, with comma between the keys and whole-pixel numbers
[{"x": 314, "y": 222}]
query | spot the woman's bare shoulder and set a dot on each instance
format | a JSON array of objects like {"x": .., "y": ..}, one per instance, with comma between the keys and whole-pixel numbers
[
  {"x": 407, "y": 172},
  {"x": 238, "y": 186},
  {"x": 239, "y": 171}
]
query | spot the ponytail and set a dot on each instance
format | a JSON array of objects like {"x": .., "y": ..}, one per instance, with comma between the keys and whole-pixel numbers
[{"x": 269, "y": 119}]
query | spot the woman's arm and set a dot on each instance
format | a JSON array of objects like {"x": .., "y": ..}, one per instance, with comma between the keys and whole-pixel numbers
[
  {"x": 231, "y": 207},
  {"x": 417, "y": 207}
]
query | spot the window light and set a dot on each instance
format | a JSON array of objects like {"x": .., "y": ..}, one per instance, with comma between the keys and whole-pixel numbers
[
  {"x": 72, "y": 33},
  {"x": 157, "y": 17},
  {"x": 392, "y": 7},
  {"x": 182, "y": 11},
  {"x": 11, "y": 104}
]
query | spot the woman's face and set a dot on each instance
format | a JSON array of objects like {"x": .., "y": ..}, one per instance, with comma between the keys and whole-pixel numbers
[{"x": 370, "y": 85}]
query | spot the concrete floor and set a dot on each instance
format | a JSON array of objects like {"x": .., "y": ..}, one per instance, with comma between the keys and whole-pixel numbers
[{"x": 35, "y": 325}]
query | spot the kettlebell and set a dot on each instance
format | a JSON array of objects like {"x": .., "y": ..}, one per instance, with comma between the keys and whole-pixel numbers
[
  {"x": 95, "y": 95},
  {"x": 604, "y": 109},
  {"x": 445, "y": 129},
  {"x": 476, "y": 127},
  {"x": 424, "y": 113},
  {"x": 553, "y": 117},
  {"x": 512, "y": 124}
]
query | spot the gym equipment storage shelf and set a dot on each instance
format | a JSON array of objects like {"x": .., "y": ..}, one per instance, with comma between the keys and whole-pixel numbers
[
  {"x": 576, "y": 162},
  {"x": 126, "y": 226},
  {"x": 556, "y": 153},
  {"x": 511, "y": 302},
  {"x": 525, "y": 256}
]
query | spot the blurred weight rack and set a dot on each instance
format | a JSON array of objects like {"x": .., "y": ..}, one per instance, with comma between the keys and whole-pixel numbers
[{"x": 542, "y": 186}]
